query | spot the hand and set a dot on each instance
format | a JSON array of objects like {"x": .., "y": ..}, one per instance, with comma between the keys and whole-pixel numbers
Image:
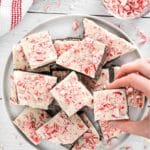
[
  {"x": 137, "y": 75},
  {"x": 134, "y": 74},
  {"x": 141, "y": 128}
]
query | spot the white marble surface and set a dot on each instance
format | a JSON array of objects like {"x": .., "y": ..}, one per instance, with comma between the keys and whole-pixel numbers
[{"x": 9, "y": 138}]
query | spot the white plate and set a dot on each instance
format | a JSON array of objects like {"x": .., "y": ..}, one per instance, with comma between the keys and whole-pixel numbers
[{"x": 60, "y": 28}]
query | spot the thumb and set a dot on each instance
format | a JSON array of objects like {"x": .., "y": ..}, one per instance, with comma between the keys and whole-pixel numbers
[{"x": 132, "y": 127}]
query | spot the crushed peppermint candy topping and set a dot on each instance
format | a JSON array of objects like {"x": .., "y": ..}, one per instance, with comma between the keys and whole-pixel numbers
[
  {"x": 127, "y": 8},
  {"x": 71, "y": 94},
  {"x": 63, "y": 129},
  {"x": 116, "y": 46},
  {"x": 75, "y": 25},
  {"x": 110, "y": 105},
  {"x": 29, "y": 121},
  {"x": 39, "y": 49},
  {"x": 84, "y": 58},
  {"x": 34, "y": 89},
  {"x": 108, "y": 131}
]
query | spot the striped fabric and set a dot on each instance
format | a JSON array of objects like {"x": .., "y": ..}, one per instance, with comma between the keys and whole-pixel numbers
[{"x": 11, "y": 13}]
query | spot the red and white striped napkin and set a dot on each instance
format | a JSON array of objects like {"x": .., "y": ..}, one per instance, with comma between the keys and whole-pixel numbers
[{"x": 11, "y": 13}]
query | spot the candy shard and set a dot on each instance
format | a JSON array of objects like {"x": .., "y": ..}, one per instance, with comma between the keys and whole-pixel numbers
[
  {"x": 75, "y": 25},
  {"x": 34, "y": 89},
  {"x": 29, "y": 121},
  {"x": 63, "y": 129},
  {"x": 89, "y": 139},
  {"x": 108, "y": 131},
  {"x": 110, "y": 105},
  {"x": 71, "y": 94},
  {"x": 84, "y": 58},
  {"x": 116, "y": 46},
  {"x": 39, "y": 49}
]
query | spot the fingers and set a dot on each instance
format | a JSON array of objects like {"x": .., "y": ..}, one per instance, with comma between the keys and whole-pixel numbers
[
  {"x": 132, "y": 80},
  {"x": 141, "y": 66},
  {"x": 132, "y": 127}
]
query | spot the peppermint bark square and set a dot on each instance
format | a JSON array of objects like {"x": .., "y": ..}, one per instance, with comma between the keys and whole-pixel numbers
[
  {"x": 20, "y": 62},
  {"x": 84, "y": 58},
  {"x": 39, "y": 49},
  {"x": 29, "y": 121},
  {"x": 62, "y": 129},
  {"x": 108, "y": 131},
  {"x": 34, "y": 89},
  {"x": 89, "y": 139},
  {"x": 71, "y": 94},
  {"x": 62, "y": 46},
  {"x": 116, "y": 46},
  {"x": 110, "y": 105}
]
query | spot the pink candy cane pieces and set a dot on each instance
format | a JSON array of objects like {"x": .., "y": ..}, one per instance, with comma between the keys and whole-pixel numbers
[
  {"x": 39, "y": 49},
  {"x": 75, "y": 25},
  {"x": 108, "y": 131},
  {"x": 110, "y": 105},
  {"x": 29, "y": 121},
  {"x": 127, "y": 8},
  {"x": 62, "y": 46},
  {"x": 85, "y": 58},
  {"x": 34, "y": 89},
  {"x": 63, "y": 130},
  {"x": 89, "y": 139},
  {"x": 71, "y": 94},
  {"x": 116, "y": 45}
]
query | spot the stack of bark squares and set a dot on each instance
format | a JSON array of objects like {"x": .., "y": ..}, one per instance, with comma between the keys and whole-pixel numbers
[{"x": 70, "y": 74}]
